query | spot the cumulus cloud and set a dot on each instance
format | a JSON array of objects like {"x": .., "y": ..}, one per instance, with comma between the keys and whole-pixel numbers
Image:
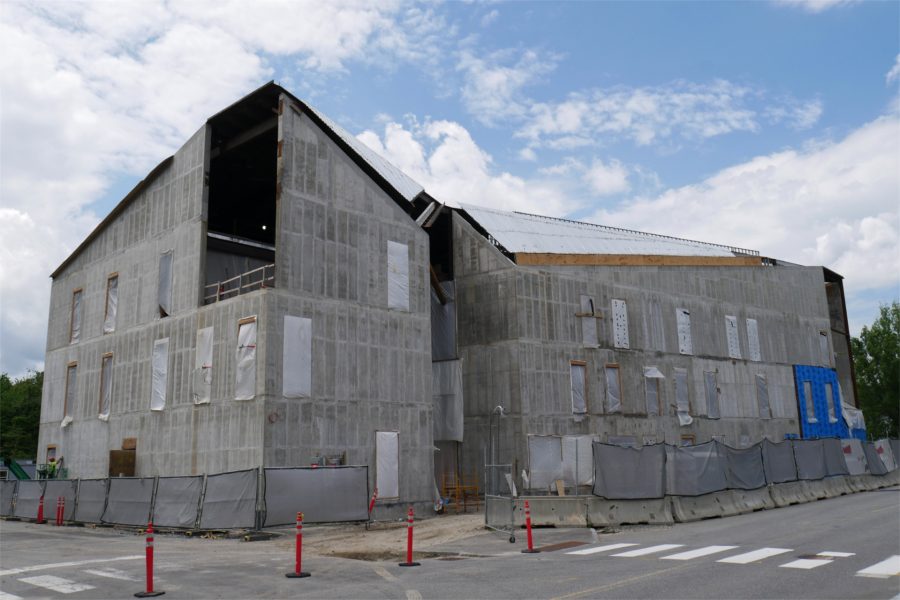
[
  {"x": 894, "y": 73},
  {"x": 814, "y": 6},
  {"x": 833, "y": 203}
]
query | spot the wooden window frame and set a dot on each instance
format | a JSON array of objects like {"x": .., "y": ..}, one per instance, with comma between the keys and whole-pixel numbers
[
  {"x": 618, "y": 369},
  {"x": 587, "y": 406},
  {"x": 69, "y": 367},
  {"x": 110, "y": 277},
  {"x": 246, "y": 320},
  {"x": 103, "y": 358},
  {"x": 688, "y": 437},
  {"x": 72, "y": 312},
  {"x": 50, "y": 447}
]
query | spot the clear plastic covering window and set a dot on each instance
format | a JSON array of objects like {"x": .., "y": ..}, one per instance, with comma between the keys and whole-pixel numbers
[
  {"x": 71, "y": 389},
  {"x": 810, "y": 405},
  {"x": 829, "y": 402},
  {"x": 620, "y": 324},
  {"x": 682, "y": 398},
  {"x": 387, "y": 463},
  {"x": 588, "y": 323},
  {"x": 753, "y": 340},
  {"x": 685, "y": 343},
  {"x": 398, "y": 276},
  {"x": 651, "y": 390},
  {"x": 164, "y": 291},
  {"x": 297, "y": 357},
  {"x": 112, "y": 304},
  {"x": 824, "y": 350},
  {"x": 105, "y": 386},
  {"x": 75, "y": 324},
  {"x": 245, "y": 372},
  {"x": 613, "y": 391},
  {"x": 202, "y": 385},
  {"x": 731, "y": 335},
  {"x": 578, "y": 374},
  {"x": 712, "y": 394},
  {"x": 762, "y": 396},
  {"x": 160, "y": 380}
]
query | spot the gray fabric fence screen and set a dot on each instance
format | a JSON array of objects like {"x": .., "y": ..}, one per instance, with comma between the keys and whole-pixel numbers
[
  {"x": 810, "y": 458},
  {"x": 875, "y": 464},
  {"x": 68, "y": 489},
  {"x": 622, "y": 473},
  {"x": 778, "y": 461},
  {"x": 230, "y": 500},
  {"x": 7, "y": 492},
  {"x": 835, "y": 464},
  {"x": 28, "y": 495},
  {"x": 694, "y": 470},
  {"x": 323, "y": 494},
  {"x": 129, "y": 500},
  {"x": 177, "y": 501},
  {"x": 743, "y": 467},
  {"x": 91, "y": 500}
]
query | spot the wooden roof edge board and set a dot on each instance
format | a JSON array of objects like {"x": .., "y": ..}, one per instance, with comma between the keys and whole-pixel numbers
[
  {"x": 635, "y": 260},
  {"x": 115, "y": 212}
]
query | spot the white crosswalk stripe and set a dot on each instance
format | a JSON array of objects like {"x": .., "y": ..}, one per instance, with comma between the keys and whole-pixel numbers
[
  {"x": 829, "y": 554},
  {"x": 755, "y": 555},
  {"x": 111, "y": 574},
  {"x": 57, "y": 584},
  {"x": 691, "y": 554},
  {"x": 5, "y": 596},
  {"x": 650, "y": 550},
  {"x": 806, "y": 563},
  {"x": 889, "y": 567},
  {"x": 597, "y": 549}
]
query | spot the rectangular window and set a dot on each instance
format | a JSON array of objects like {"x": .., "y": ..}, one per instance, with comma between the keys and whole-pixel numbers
[
  {"x": 588, "y": 323},
  {"x": 712, "y": 394},
  {"x": 71, "y": 389},
  {"x": 398, "y": 276},
  {"x": 652, "y": 377},
  {"x": 245, "y": 373},
  {"x": 682, "y": 397},
  {"x": 810, "y": 405},
  {"x": 297, "y": 358},
  {"x": 164, "y": 290},
  {"x": 51, "y": 452},
  {"x": 620, "y": 324},
  {"x": 112, "y": 303},
  {"x": 685, "y": 343},
  {"x": 688, "y": 439},
  {"x": 578, "y": 375},
  {"x": 159, "y": 381},
  {"x": 753, "y": 340},
  {"x": 762, "y": 396},
  {"x": 824, "y": 351},
  {"x": 202, "y": 384},
  {"x": 387, "y": 464},
  {"x": 731, "y": 334},
  {"x": 830, "y": 404},
  {"x": 75, "y": 317},
  {"x": 105, "y": 386},
  {"x": 613, "y": 389}
]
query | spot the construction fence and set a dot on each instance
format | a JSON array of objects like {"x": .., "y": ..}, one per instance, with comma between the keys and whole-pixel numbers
[{"x": 251, "y": 498}]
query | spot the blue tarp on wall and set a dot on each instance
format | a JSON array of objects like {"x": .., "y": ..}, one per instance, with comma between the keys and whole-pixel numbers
[{"x": 822, "y": 423}]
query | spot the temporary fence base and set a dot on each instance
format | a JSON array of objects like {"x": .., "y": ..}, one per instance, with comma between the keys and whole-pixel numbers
[
  {"x": 409, "y": 564},
  {"x": 604, "y": 513},
  {"x": 296, "y": 575},
  {"x": 148, "y": 594}
]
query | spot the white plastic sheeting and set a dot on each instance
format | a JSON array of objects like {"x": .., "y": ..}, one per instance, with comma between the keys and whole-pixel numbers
[
  {"x": 578, "y": 459},
  {"x": 398, "y": 275},
  {"x": 106, "y": 363},
  {"x": 731, "y": 334},
  {"x": 545, "y": 460},
  {"x": 711, "y": 387},
  {"x": 245, "y": 372},
  {"x": 112, "y": 304},
  {"x": 652, "y": 375},
  {"x": 685, "y": 343},
  {"x": 762, "y": 396},
  {"x": 613, "y": 390},
  {"x": 297, "y": 357},
  {"x": 682, "y": 399},
  {"x": 578, "y": 377},
  {"x": 447, "y": 397},
  {"x": 203, "y": 358},
  {"x": 159, "y": 382},
  {"x": 852, "y": 416},
  {"x": 164, "y": 290},
  {"x": 854, "y": 456},
  {"x": 77, "y": 308},
  {"x": 387, "y": 463},
  {"x": 588, "y": 323},
  {"x": 443, "y": 323},
  {"x": 71, "y": 391},
  {"x": 753, "y": 340},
  {"x": 620, "y": 324}
]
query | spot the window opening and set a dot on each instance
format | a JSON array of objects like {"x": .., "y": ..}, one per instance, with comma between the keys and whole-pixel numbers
[
  {"x": 685, "y": 343},
  {"x": 620, "y": 324},
  {"x": 652, "y": 376},
  {"x": 682, "y": 397},
  {"x": 387, "y": 463},
  {"x": 613, "y": 389},
  {"x": 398, "y": 275},
  {"x": 164, "y": 290},
  {"x": 71, "y": 389},
  {"x": 203, "y": 359},
  {"x": 830, "y": 404},
  {"x": 824, "y": 351},
  {"x": 159, "y": 381},
  {"x": 112, "y": 303},
  {"x": 688, "y": 439},
  {"x": 75, "y": 316},
  {"x": 762, "y": 396},
  {"x": 105, "y": 385},
  {"x": 731, "y": 333},
  {"x": 245, "y": 373},
  {"x": 297, "y": 357},
  {"x": 753, "y": 340},
  {"x": 588, "y": 318},
  {"x": 712, "y": 394},
  {"x": 810, "y": 405},
  {"x": 578, "y": 375}
]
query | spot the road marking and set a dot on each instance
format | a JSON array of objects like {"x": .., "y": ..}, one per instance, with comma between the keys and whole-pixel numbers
[
  {"x": 836, "y": 554},
  {"x": 57, "y": 584},
  {"x": 597, "y": 549},
  {"x": 413, "y": 595},
  {"x": 5, "y": 596},
  {"x": 749, "y": 557},
  {"x": 806, "y": 563},
  {"x": 111, "y": 574},
  {"x": 596, "y": 590},
  {"x": 650, "y": 550},
  {"x": 886, "y": 568},
  {"x": 76, "y": 563},
  {"x": 384, "y": 573},
  {"x": 698, "y": 553}
]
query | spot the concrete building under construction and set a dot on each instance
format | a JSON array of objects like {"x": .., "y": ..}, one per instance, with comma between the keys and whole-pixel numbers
[{"x": 278, "y": 294}]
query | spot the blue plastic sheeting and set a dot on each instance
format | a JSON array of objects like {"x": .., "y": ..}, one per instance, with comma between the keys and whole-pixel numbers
[
  {"x": 129, "y": 500},
  {"x": 323, "y": 495},
  {"x": 743, "y": 467},
  {"x": 91, "y": 500},
  {"x": 7, "y": 493},
  {"x": 778, "y": 461},
  {"x": 230, "y": 500},
  {"x": 810, "y": 458},
  {"x": 822, "y": 426},
  {"x": 28, "y": 497},
  {"x": 177, "y": 502},
  {"x": 622, "y": 473},
  {"x": 56, "y": 488},
  {"x": 835, "y": 463},
  {"x": 694, "y": 470}
]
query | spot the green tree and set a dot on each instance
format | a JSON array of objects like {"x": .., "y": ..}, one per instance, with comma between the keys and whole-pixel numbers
[
  {"x": 20, "y": 415},
  {"x": 876, "y": 355}
]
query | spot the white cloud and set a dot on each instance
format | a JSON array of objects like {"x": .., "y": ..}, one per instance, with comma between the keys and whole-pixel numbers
[
  {"x": 606, "y": 179},
  {"x": 815, "y": 6},
  {"x": 490, "y": 18},
  {"x": 832, "y": 204},
  {"x": 894, "y": 73}
]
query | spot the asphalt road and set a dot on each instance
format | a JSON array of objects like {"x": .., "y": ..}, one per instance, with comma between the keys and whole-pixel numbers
[{"x": 846, "y": 547}]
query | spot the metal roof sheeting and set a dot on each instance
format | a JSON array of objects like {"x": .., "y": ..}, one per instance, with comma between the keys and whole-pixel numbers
[
  {"x": 525, "y": 233},
  {"x": 403, "y": 183}
]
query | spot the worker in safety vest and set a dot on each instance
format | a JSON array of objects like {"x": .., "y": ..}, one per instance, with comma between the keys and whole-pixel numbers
[{"x": 51, "y": 468}]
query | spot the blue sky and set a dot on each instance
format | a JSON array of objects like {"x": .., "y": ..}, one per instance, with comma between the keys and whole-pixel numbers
[{"x": 766, "y": 125}]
